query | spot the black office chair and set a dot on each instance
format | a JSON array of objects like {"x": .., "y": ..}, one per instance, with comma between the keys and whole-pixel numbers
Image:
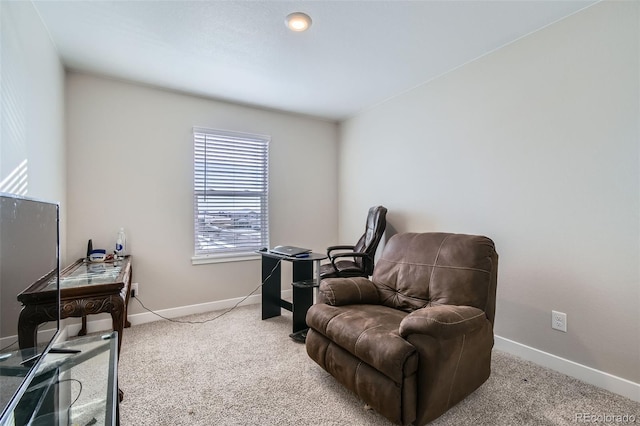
[{"x": 358, "y": 260}]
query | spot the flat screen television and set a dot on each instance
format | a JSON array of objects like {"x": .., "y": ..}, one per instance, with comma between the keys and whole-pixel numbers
[{"x": 29, "y": 253}]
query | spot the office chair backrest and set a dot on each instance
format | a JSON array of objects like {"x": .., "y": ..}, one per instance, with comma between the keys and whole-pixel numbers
[{"x": 368, "y": 243}]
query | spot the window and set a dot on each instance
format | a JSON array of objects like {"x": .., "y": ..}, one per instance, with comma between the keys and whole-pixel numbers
[{"x": 230, "y": 192}]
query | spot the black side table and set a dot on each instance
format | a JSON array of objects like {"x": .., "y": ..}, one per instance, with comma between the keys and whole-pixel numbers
[{"x": 303, "y": 283}]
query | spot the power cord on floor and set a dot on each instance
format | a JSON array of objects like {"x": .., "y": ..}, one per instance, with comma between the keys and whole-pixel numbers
[
  {"x": 217, "y": 316},
  {"x": 79, "y": 391}
]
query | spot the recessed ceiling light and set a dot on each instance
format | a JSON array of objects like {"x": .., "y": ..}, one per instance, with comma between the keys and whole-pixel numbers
[{"x": 298, "y": 21}]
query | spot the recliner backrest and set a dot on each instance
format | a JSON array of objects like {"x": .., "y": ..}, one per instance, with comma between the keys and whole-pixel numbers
[{"x": 418, "y": 270}]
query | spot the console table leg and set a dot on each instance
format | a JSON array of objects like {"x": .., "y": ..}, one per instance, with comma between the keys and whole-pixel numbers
[
  {"x": 31, "y": 316},
  {"x": 83, "y": 329}
]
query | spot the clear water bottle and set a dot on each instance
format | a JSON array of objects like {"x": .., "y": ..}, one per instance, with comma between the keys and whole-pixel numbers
[{"x": 121, "y": 244}]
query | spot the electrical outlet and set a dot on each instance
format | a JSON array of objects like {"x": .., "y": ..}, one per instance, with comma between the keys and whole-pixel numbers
[
  {"x": 559, "y": 321},
  {"x": 134, "y": 290}
]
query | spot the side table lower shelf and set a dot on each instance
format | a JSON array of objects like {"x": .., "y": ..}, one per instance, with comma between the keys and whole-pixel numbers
[{"x": 302, "y": 301}]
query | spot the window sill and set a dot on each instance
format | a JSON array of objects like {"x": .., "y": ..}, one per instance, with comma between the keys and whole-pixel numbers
[{"x": 224, "y": 258}]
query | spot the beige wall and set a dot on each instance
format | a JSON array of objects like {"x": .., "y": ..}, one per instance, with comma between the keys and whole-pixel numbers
[
  {"x": 130, "y": 162},
  {"x": 536, "y": 146},
  {"x": 32, "y": 106}
]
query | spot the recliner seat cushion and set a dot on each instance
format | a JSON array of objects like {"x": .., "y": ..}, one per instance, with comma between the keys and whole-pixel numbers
[{"x": 370, "y": 333}]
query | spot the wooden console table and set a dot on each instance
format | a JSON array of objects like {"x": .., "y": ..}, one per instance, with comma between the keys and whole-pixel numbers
[{"x": 85, "y": 288}]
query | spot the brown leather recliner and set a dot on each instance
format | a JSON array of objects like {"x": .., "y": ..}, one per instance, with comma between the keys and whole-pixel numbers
[{"x": 415, "y": 339}]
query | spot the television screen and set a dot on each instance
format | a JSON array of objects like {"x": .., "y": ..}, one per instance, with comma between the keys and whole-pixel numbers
[{"x": 29, "y": 253}]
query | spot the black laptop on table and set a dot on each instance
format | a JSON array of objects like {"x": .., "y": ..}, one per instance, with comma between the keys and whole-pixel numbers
[{"x": 289, "y": 250}]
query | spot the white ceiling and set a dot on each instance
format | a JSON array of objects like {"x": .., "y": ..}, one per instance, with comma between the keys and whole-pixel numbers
[{"x": 355, "y": 55}]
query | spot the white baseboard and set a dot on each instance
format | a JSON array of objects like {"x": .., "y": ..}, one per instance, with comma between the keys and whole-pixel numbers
[
  {"x": 193, "y": 309},
  {"x": 135, "y": 319},
  {"x": 589, "y": 375}
]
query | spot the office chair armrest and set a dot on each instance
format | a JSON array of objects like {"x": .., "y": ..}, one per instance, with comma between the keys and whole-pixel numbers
[
  {"x": 444, "y": 321},
  {"x": 347, "y": 291},
  {"x": 334, "y": 248},
  {"x": 352, "y": 254}
]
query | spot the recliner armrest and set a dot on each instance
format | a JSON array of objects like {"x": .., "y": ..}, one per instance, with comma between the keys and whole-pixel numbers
[
  {"x": 347, "y": 291},
  {"x": 443, "y": 321}
]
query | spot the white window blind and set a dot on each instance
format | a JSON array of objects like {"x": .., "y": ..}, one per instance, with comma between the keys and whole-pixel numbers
[{"x": 230, "y": 192}]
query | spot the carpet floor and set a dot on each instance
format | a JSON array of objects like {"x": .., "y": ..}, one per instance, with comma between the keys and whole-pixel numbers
[{"x": 239, "y": 370}]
